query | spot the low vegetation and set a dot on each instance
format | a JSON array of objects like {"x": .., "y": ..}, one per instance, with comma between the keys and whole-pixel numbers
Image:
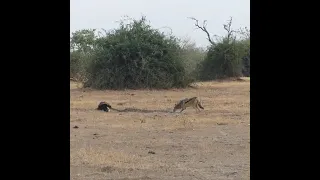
[{"x": 138, "y": 56}]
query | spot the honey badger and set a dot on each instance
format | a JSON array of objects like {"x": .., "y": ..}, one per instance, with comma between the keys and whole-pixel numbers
[{"x": 103, "y": 106}]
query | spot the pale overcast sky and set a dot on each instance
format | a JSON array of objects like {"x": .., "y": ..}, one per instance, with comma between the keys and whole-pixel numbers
[{"x": 172, "y": 13}]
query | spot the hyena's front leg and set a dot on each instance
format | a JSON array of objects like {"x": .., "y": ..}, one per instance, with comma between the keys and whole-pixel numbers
[{"x": 196, "y": 108}]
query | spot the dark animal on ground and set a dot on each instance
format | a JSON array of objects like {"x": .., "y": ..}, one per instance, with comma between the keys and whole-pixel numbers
[{"x": 103, "y": 106}]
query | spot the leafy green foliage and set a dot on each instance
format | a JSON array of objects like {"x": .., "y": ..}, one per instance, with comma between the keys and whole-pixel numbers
[
  {"x": 83, "y": 40},
  {"x": 229, "y": 56},
  {"x": 192, "y": 57},
  {"x": 136, "y": 56},
  {"x": 224, "y": 60}
]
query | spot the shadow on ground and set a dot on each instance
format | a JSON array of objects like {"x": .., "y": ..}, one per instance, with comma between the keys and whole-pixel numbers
[{"x": 142, "y": 110}]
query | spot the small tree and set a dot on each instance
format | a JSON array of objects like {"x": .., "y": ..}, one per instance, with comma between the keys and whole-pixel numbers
[
  {"x": 81, "y": 51},
  {"x": 225, "y": 55},
  {"x": 192, "y": 57},
  {"x": 83, "y": 40}
]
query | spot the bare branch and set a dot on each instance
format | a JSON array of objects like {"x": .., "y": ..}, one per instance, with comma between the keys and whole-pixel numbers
[
  {"x": 227, "y": 27},
  {"x": 205, "y": 23},
  {"x": 203, "y": 28}
]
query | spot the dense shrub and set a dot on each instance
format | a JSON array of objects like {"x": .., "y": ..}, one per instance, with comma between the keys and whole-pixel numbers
[
  {"x": 246, "y": 59},
  {"x": 137, "y": 56},
  {"x": 228, "y": 56},
  {"x": 81, "y": 53},
  {"x": 79, "y": 63},
  {"x": 192, "y": 57}
]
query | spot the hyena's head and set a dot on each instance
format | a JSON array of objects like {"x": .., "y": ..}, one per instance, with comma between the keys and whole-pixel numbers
[{"x": 177, "y": 106}]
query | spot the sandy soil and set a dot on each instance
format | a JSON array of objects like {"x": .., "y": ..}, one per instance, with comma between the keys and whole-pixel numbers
[{"x": 148, "y": 141}]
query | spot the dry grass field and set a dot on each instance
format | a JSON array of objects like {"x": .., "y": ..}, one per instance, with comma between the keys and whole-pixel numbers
[{"x": 148, "y": 141}]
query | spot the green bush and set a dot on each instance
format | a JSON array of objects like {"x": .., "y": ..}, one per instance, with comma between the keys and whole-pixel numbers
[
  {"x": 81, "y": 53},
  {"x": 137, "y": 56},
  {"x": 192, "y": 57},
  {"x": 74, "y": 64},
  {"x": 228, "y": 57},
  {"x": 246, "y": 58},
  {"x": 224, "y": 60},
  {"x": 79, "y": 63}
]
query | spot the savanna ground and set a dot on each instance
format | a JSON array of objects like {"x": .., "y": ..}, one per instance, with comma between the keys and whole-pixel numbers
[{"x": 148, "y": 141}]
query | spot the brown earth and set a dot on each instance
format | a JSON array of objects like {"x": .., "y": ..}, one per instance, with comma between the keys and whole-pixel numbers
[{"x": 148, "y": 141}]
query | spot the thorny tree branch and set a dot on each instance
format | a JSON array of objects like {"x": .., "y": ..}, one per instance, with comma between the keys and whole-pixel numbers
[{"x": 203, "y": 28}]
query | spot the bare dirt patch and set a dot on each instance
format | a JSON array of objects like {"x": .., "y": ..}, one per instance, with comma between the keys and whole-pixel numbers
[{"x": 147, "y": 141}]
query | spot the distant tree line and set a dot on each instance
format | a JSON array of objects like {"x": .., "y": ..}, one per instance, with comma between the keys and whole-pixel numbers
[{"x": 137, "y": 56}]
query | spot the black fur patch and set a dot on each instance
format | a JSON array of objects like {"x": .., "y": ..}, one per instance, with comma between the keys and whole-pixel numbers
[
  {"x": 103, "y": 106},
  {"x": 189, "y": 100}
]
